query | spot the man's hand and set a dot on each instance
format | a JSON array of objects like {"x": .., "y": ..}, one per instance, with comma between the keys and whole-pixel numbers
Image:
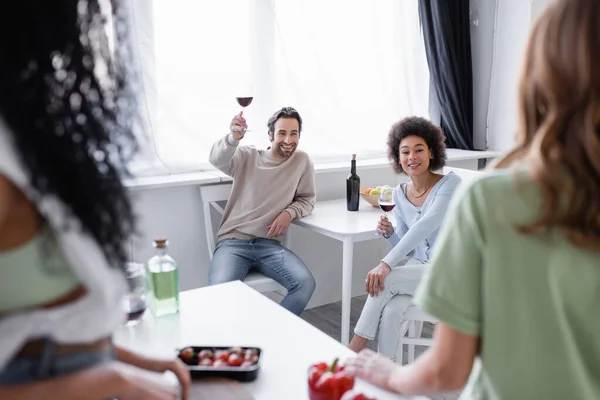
[
  {"x": 238, "y": 126},
  {"x": 375, "y": 277},
  {"x": 280, "y": 225}
]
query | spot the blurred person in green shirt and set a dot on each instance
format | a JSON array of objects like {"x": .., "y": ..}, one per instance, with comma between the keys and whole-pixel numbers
[{"x": 515, "y": 279}]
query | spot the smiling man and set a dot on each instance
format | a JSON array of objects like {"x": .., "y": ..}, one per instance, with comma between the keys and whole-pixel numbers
[{"x": 270, "y": 188}]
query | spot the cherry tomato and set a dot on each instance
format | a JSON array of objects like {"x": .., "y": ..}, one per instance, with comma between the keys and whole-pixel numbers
[
  {"x": 355, "y": 395},
  {"x": 236, "y": 350},
  {"x": 206, "y": 362},
  {"x": 222, "y": 355},
  {"x": 206, "y": 354},
  {"x": 187, "y": 354},
  {"x": 249, "y": 353},
  {"x": 234, "y": 360}
]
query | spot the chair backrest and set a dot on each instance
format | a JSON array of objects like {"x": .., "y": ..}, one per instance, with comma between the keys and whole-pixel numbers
[
  {"x": 466, "y": 175},
  {"x": 211, "y": 195}
]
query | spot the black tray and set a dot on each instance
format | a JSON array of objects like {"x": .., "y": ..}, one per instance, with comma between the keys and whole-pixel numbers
[{"x": 242, "y": 374}]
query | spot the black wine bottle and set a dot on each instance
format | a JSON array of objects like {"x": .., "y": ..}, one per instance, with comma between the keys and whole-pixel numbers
[{"x": 353, "y": 187}]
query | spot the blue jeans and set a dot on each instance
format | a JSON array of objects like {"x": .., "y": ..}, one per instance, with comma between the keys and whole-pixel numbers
[
  {"x": 234, "y": 258},
  {"x": 22, "y": 370}
]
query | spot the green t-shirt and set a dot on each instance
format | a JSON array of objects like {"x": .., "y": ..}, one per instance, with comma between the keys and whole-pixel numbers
[{"x": 534, "y": 300}]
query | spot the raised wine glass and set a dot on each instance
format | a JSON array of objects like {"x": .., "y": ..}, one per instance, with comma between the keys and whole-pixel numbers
[
  {"x": 386, "y": 203},
  {"x": 244, "y": 97}
]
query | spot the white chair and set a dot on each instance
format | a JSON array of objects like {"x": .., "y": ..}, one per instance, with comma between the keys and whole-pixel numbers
[
  {"x": 410, "y": 334},
  {"x": 466, "y": 175},
  {"x": 412, "y": 328},
  {"x": 211, "y": 195}
]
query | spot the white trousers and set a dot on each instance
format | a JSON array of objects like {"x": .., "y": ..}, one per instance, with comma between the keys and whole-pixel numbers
[{"x": 385, "y": 312}]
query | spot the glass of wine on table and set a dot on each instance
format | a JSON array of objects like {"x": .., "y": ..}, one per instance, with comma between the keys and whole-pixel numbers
[
  {"x": 135, "y": 301},
  {"x": 386, "y": 203}
]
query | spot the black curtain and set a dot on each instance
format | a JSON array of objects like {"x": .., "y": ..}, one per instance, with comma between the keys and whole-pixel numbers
[{"x": 446, "y": 30}]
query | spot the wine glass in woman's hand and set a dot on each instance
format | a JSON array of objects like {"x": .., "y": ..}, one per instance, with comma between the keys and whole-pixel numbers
[{"x": 386, "y": 203}]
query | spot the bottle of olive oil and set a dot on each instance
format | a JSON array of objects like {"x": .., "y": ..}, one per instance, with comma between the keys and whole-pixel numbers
[{"x": 163, "y": 279}]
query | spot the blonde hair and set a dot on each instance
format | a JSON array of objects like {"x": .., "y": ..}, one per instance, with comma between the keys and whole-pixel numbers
[{"x": 559, "y": 120}]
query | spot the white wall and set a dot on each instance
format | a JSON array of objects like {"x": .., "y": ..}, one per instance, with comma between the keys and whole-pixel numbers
[
  {"x": 496, "y": 65},
  {"x": 176, "y": 213}
]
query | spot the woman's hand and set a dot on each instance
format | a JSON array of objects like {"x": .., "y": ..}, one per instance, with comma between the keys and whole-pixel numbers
[
  {"x": 114, "y": 379},
  {"x": 174, "y": 365},
  {"x": 385, "y": 227},
  {"x": 372, "y": 367},
  {"x": 177, "y": 367},
  {"x": 375, "y": 277},
  {"x": 137, "y": 383}
]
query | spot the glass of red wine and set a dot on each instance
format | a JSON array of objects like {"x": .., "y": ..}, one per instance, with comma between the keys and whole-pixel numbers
[
  {"x": 134, "y": 302},
  {"x": 245, "y": 97},
  {"x": 386, "y": 203}
]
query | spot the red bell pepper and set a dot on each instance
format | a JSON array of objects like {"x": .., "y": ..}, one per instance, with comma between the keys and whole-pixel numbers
[{"x": 328, "y": 382}]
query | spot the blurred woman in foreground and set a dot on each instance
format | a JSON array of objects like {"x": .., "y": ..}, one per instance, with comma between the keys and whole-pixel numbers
[
  {"x": 67, "y": 117},
  {"x": 515, "y": 280}
]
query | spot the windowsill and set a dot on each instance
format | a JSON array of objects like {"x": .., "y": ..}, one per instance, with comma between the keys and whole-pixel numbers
[{"x": 214, "y": 176}]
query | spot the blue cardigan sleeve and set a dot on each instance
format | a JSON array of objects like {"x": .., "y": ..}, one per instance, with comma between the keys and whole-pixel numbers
[{"x": 429, "y": 223}]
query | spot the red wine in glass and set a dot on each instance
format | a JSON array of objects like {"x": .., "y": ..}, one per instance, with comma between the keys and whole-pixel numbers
[
  {"x": 387, "y": 207},
  {"x": 244, "y": 101},
  {"x": 135, "y": 307},
  {"x": 245, "y": 95},
  {"x": 386, "y": 203}
]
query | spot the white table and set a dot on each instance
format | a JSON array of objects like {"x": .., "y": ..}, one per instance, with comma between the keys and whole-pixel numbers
[
  {"x": 331, "y": 218},
  {"x": 234, "y": 314}
]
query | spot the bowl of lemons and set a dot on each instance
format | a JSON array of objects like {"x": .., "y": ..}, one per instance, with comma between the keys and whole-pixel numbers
[{"x": 371, "y": 193}]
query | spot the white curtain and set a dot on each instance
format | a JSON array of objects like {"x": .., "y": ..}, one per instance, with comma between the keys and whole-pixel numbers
[{"x": 351, "y": 68}]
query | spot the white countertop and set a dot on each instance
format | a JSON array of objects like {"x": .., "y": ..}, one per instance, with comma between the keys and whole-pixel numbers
[{"x": 234, "y": 314}]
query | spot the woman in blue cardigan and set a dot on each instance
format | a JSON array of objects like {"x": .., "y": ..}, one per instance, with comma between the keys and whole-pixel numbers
[{"x": 416, "y": 148}]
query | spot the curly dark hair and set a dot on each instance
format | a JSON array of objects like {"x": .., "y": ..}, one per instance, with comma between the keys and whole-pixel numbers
[
  {"x": 70, "y": 111},
  {"x": 417, "y": 126}
]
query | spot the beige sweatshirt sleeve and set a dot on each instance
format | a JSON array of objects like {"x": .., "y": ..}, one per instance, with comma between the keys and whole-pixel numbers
[
  {"x": 304, "y": 199},
  {"x": 225, "y": 155}
]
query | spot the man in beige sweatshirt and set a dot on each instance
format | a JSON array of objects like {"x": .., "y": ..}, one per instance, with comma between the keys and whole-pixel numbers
[{"x": 270, "y": 188}]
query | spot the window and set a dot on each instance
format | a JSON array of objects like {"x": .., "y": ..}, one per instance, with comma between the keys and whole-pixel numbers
[{"x": 351, "y": 68}]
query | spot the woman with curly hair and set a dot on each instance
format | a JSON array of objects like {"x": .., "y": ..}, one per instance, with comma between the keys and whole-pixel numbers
[
  {"x": 67, "y": 118},
  {"x": 515, "y": 279},
  {"x": 416, "y": 148}
]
